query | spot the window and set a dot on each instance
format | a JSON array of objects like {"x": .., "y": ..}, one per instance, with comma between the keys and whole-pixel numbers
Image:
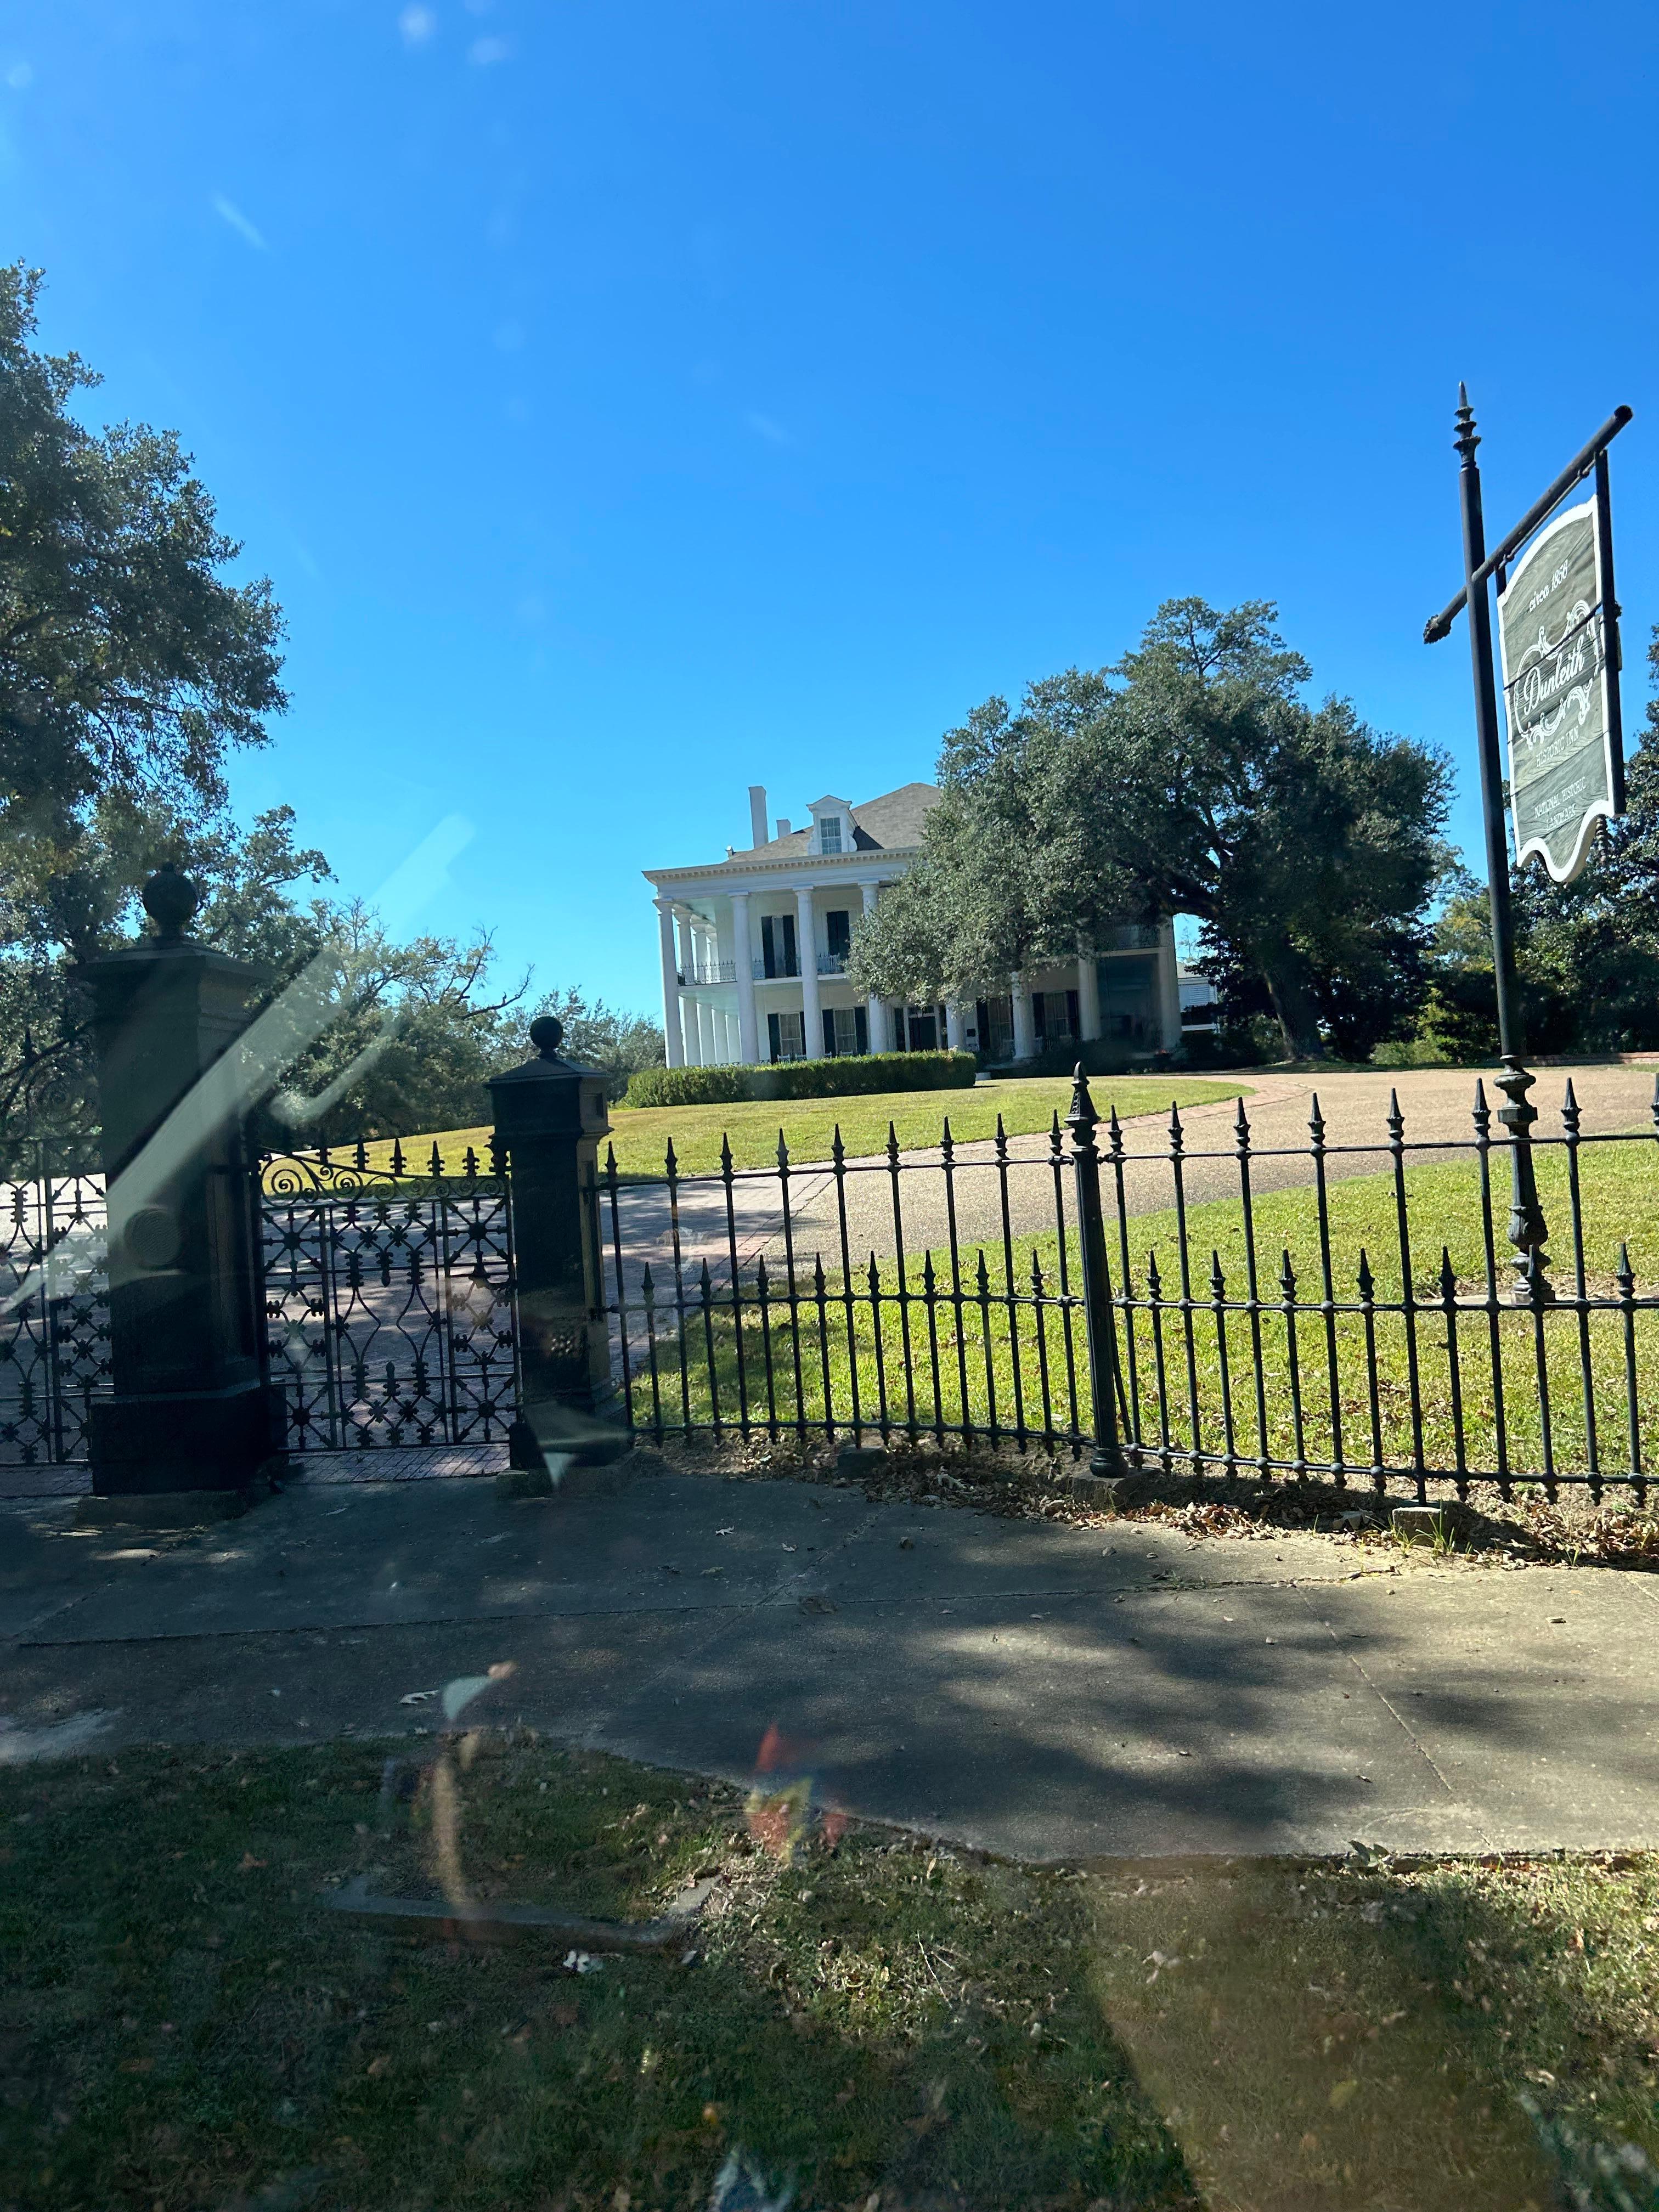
[
  {"x": 1128, "y": 1000},
  {"x": 1054, "y": 1015},
  {"x": 846, "y": 1029},
  {"x": 778, "y": 945},
  {"x": 829, "y": 834},
  {"x": 839, "y": 927},
  {"x": 996, "y": 1027},
  {"x": 787, "y": 1035}
]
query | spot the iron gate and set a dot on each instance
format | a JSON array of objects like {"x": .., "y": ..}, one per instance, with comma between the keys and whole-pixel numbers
[
  {"x": 389, "y": 1300},
  {"x": 54, "y": 1297}
]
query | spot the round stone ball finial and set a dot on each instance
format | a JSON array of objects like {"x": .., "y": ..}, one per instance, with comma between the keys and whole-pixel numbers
[
  {"x": 170, "y": 900},
  {"x": 547, "y": 1035}
]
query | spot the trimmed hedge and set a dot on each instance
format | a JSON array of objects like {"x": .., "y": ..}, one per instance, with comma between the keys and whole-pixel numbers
[
  {"x": 846, "y": 1075},
  {"x": 687, "y": 1086}
]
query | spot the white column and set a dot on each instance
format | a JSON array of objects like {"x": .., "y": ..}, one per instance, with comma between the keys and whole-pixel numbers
[
  {"x": 706, "y": 1035},
  {"x": 1168, "y": 989},
  {"x": 1088, "y": 995},
  {"x": 729, "y": 1048},
  {"x": 881, "y": 1035},
  {"x": 671, "y": 986},
  {"x": 688, "y": 943},
  {"x": 1024, "y": 1032},
  {"x": 742, "y": 953},
  {"x": 953, "y": 1034},
  {"x": 806, "y": 944}
]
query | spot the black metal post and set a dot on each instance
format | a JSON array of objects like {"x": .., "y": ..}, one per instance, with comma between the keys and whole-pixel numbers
[
  {"x": 1528, "y": 1229},
  {"x": 550, "y": 1117},
  {"x": 1610, "y": 613},
  {"x": 1107, "y": 1458},
  {"x": 192, "y": 1409}
]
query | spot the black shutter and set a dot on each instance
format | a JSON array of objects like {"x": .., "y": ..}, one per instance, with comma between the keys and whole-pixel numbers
[
  {"x": 829, "y": 1032},
  {"x": 788, "y": 966},
  {"x": 774, "y": 1035},
  {"x": 861, "y": 1025},
  {"x": 1073, "y": 1015},
  {"x": 769, "y": 964}
]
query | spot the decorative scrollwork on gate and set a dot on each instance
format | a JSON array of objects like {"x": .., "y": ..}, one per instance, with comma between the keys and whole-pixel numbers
[{"x": 389, "y": 1298}]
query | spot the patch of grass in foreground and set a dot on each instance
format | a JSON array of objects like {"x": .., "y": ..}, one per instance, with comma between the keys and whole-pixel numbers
[
  {"x": 641, "y": 1134},
  {"x": 184, "y": 2019}
]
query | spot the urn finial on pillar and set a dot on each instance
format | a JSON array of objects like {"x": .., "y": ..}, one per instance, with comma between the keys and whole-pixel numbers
[{"x": 171, "y": 899}]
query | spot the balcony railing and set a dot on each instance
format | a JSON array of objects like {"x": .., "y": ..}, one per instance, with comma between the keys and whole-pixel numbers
[
  {"x": 710, "y": 971},
  {"x": 830, "y": 964}
]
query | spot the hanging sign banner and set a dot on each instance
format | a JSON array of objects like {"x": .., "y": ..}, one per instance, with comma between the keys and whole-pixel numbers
[{"x": 1560, "y": 692}]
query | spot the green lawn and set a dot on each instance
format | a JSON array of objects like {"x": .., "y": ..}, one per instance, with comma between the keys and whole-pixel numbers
[
  {"x": 955, "y": 1352},
  {"x": 641, "y": 1134},
  {"x": 186, "y": 2025}
]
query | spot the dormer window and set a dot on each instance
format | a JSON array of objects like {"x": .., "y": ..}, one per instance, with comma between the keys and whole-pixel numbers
[{"x": 832, "y": 825}]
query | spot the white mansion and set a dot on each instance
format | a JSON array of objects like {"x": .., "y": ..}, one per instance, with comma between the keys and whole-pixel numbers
[{"x": 754, "y": 953}]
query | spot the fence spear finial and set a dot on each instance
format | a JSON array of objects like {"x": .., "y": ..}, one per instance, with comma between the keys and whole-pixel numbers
[{"x": 1083, "y": 1116}]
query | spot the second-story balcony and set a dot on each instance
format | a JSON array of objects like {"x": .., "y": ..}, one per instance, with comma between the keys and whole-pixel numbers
[
  {"x": 786, "y": 964},
  {"x": 709, "y": 971}
]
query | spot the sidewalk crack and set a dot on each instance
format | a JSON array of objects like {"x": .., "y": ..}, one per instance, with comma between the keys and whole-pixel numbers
[{"x": 1390, "y": 1708}]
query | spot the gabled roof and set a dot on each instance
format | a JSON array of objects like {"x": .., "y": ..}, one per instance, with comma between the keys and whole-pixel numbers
[{"x": 888, "y": 825}]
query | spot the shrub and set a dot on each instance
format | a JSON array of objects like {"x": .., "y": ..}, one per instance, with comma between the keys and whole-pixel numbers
[
  {"x": 848, "y": 1075},
  {"x": 1099, "y": 1056},
  {"x": 1412, "y": 1051},
  {"x": 687, "y": 1086},
  {"x": 859, "y": 1074}
]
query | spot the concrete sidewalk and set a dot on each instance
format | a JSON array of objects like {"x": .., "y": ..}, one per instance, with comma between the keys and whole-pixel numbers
[{"x": 1044, "y": 1690}]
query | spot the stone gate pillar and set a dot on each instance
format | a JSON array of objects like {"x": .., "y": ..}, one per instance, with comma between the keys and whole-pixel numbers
[
  {"x": 550, "y": 1115},
  {"x": 192, "y": 1409}
]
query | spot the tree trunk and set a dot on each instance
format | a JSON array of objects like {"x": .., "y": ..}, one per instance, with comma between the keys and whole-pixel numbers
[{"x": 1286, "y": 977}]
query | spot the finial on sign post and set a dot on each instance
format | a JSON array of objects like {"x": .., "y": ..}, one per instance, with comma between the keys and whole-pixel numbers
[{"x": 1468, "y": 437}]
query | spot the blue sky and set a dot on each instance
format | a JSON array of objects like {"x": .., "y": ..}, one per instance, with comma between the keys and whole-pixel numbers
[{"x": 631, "y": 403}]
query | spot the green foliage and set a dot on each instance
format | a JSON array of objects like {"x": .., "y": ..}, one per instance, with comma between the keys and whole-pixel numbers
[
  {"x": 688, "y": 1086},
  {"x": 846, "y": 1075},
  {"x": 128, "y": 665},
  {"x": 1189, "y": 778},
  {"x": 129, "y": 669},
  {"x": 860, "y": 1074},
  {"x": 249, "y": 911},
  {"x": 596, "y": 1036}
]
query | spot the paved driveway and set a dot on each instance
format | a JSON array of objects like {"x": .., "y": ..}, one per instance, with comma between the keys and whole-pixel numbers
[{"x": 1436, "y": 1104}]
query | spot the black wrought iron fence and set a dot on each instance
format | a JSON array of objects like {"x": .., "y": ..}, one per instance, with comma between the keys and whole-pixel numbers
[
  {"x": 1338, "y": 1310},
  {"x": 54, "y": 1297},
  {"x": 389, "y": 1297}
]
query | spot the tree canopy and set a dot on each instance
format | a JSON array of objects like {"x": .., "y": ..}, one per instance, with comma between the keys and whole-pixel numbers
[
  {"x": 131, "y": 668},
  {"x": 1190, "y": 777},
  {"x": 129, "y": 663}
]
